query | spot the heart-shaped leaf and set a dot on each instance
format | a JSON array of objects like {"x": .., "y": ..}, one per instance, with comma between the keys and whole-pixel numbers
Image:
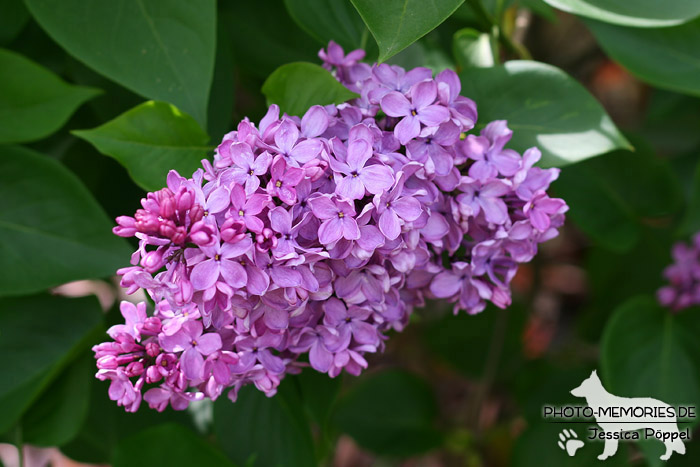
[
  {"x": 297, "y": 86},
  {"x": 52, "y": 231},
  {"x": 162, "y": 50},
  {"x": 149, "y": 140},
  {"x": 34, "y": 102},
  {"x": 396, "y": 24},
  {"x": 544, "y": 107}
]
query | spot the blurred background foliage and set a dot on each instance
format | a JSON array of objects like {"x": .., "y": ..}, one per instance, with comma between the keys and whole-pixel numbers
[{"x": 608, "y": 89}]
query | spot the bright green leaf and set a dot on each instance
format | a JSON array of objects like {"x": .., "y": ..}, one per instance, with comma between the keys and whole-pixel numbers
[
  {"x": 637, "y": 13},
  {"x": 149, "y": 140},
  {"x": 646, "y": 351},
  {"x": 297, "y": 86},
  {"x": 396, "y": 24},
  {"x": 261, "y": 431},
  {"x": 168, "y": 444},
  {"x": 665, "y": 57},
  {"x": 33, "y": 101},
  {"x": 52, "y": 231},
  {"x": 40, "y": 335},
  {"x": 334, "y": 20},
  {"x": 56, "y": 417},
  {"x": 472, "y": 49},
  {"x": 162, "y": 50},
  {"x": 545, "y": 108},
  {"x": 391, "y": 413},
  {"x": 13, "y": 18}
]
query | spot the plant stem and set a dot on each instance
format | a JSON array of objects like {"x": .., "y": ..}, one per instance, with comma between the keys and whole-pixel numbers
[
  {"x": 492, "y": 25},
  {"x": 491, "y": 366}
]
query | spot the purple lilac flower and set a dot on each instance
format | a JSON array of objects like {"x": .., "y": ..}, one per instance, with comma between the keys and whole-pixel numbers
[
  {"x": 306, "y": 240},
  {"x": 683, "y": 289}
]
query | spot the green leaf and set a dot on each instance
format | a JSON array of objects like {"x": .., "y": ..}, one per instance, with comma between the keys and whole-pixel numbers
[
  {"x": 597, "y": 208},
  {"x": 57, "y": 416},
  {"x": 262, "y": 41},
  {"x": 646, "y": 351},
  {"x": 544, "y": 107},
  {"x": 691, "y": 221},
  {"x": 396, "y": 24},
  {"x": 257, "y": 430},
  {"x": 107, "y": 423},
  {"x": 297, "y": 86},
  {"x": 665, "y": 57},
  {"x": 33, "y": 101},
  {"x": 334, "y": 20},
  {"x": 391, "y": 413},
  {"x": 464, "y": 340},
  {"x": 161, "y": 50},
  {"x": 13, "y": 18},
  {"x": 609, "y": 197},
  {"x": 40, "y": 335},
  {"x": 221, "y": 99},
  {"x": 149, "y": 140},
  {"x": 52, "y": 231},
  {"x": 637, "y": 13},
  {"x": 168, "y": 444},
  {"x": 472, "y": 49}
]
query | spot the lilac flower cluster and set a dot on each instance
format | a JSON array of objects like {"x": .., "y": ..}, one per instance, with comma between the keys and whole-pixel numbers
[
  {"x": 312, "y": 237},
  {"x": 683, "y": 275}
]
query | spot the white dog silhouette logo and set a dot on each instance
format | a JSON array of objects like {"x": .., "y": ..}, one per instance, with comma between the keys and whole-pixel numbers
[{"x": 617, "y": 415}]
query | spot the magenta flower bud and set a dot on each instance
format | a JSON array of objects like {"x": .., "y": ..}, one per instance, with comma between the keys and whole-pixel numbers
[
  {"x": 146, "y": 222},
  {"x": 184, "y": 200},
  {"x": 151, "y": 325},
  {"x": 265, "y": 240},
  {"x": 153, "y": 261},
  {"x": 179, "y": 236},
  {"x": 167, "y": 208},
  {"x": 203, "y": 234},
  {"x": 167, "y": 229},
  {"x": 196, "y": 213},
  {"x": 134, "y": 369},
  {"x": 152, "y": 349},
  {"x": 108, "y": 362},
  {"x": 233, "y": 230},
  {"x": 153, "y": 375}
]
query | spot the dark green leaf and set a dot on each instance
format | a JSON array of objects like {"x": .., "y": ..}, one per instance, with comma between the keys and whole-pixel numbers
[
  {"x": 609, "y": 196},
  {"x": 221, "y": 99},
  {"x": 40, "y": 335},
  {"x": 472, "y": 49},
  {"x": 597, "y": 208},
  {"x": 13, "y": 18},
  {"x": 464, "y": 340},
  {"x": 691, "y": 222},
  {"x": 297, "y": 86},
  {"x": 396, "y": 24},
  {"x": 168, "y": 444},
  {"x": 51, "y": 229},
  {"x": 107, "y": 423},
  {"x": 391, "y": 413},
  {"x": 544, "y": 108},
  {"x": 637, "y": 13},
  {"x": 149, "y": 140},
  {"x": 33, "y": 101},
  {"x": 162, "y": 50},
  {"x": 334, "y": 20},
  {"x": 56, "y": 417},
  {"x": 261, "y": 40},
  {"x": 646, "y": 351},
  {"x": 319, "y": 394},
  {"x": 264, "y": 431},
  {"x": 665, "y": 57}
]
